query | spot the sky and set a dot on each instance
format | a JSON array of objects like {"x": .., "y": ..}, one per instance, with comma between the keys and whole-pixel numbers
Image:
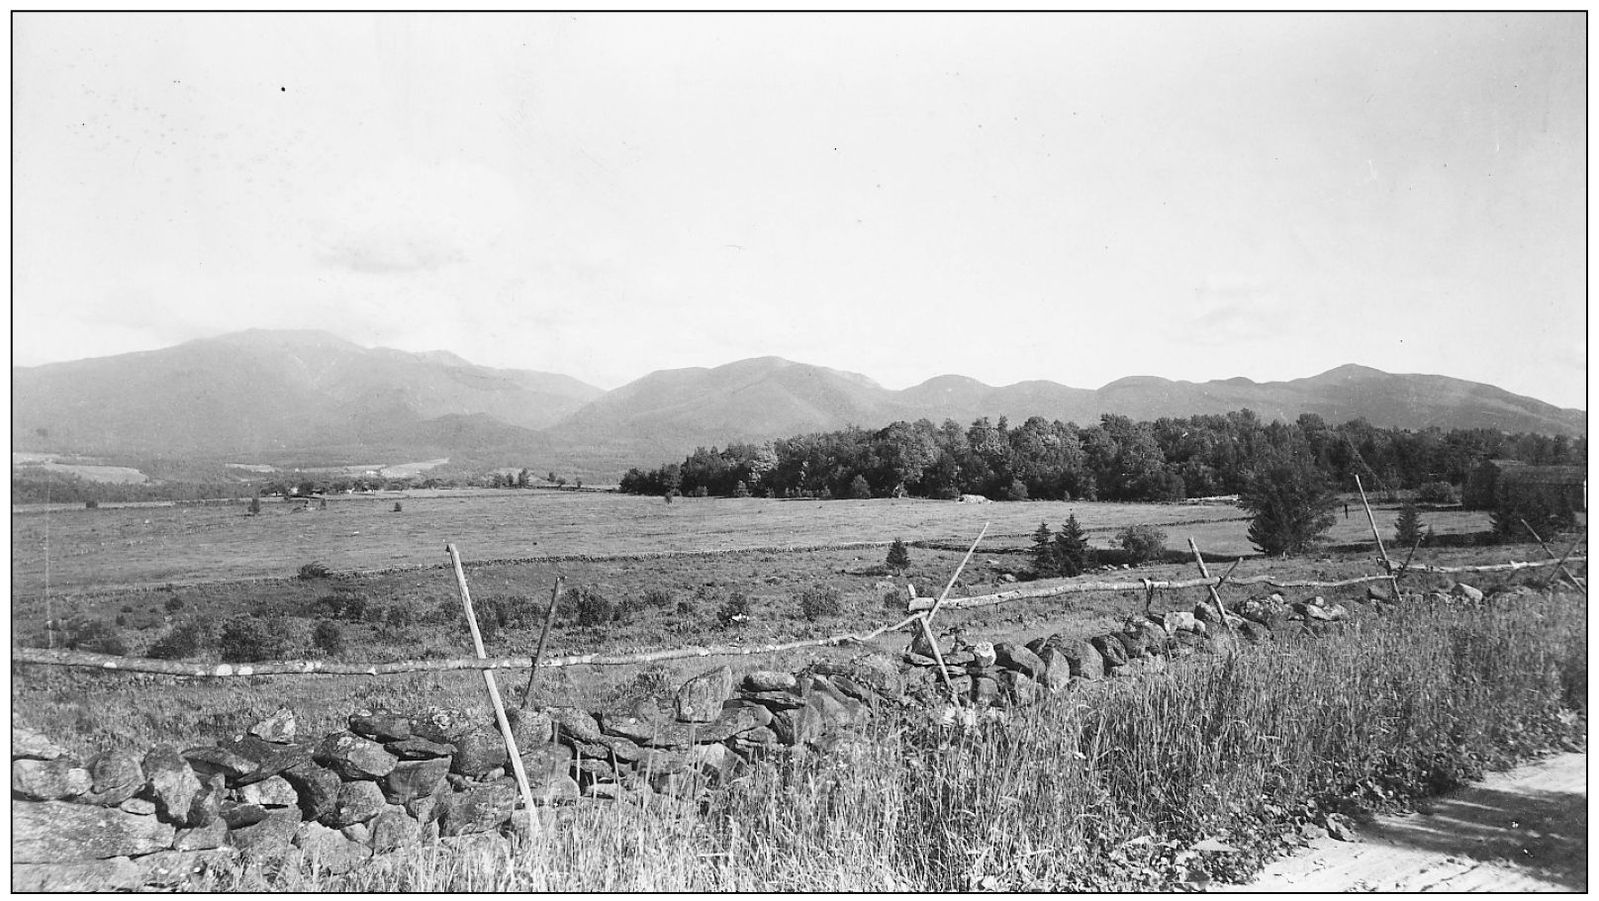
[{"x": 1070, "y": 197}]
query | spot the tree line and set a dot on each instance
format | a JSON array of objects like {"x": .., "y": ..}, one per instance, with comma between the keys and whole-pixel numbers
[{"x": 1115, "y": 460}]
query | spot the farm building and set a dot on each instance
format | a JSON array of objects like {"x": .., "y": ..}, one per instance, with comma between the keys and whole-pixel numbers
[{"x": 1548, "y": 497}]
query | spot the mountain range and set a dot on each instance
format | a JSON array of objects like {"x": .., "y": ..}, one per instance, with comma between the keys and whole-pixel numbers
[{"x": 272, "y": 396}]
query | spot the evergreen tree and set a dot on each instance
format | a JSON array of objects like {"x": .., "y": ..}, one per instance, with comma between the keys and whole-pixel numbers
[
  {"x": 898, "y": 556},
  {"x": 1046, "y": 554},
  {"x": 1290, "y": 502},
  {"x": 1407, "y": 528},
  {"x": 1072, "y": 552}
]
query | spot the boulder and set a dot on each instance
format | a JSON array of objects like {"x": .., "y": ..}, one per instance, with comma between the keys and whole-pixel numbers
[
  {"x": 530, "y": 727},
  {"x": 279, "y": 728},
  {"x": 273, "y": 792},
  {"x": 209, "y": 760},
  {"x": 412, "y": 779},
  {"x": 138, "y": 807},
  {"x": 356, "y": 802},
  {"x": 1254, "y": 632},
  {"x": 760, "y": 713},
  {"x": 985, "y": 691},
  {"x": 237, "y": 815},
  {"x": 113, "y": 874},
  {"x": 1379, "y": 593},
  {"x": 478, "y": 751},
  {"x": 49, "y": 780},
  {"x": 317, "y": 786},
  {"x": 1311, "y": 612},
  {"x": 1057, "y": 669},
  {"x": 853, "y": 688},
  {"x": 560, "y": 790},
  {"x": 729, "y": 723},
  {"x": 768, "y": 680},
  {"x": 1015, "y": 657},
  {"x": 713, "y": 761},
  {"x": 774, "y": 700},
  {"x": 1181, "y": 621},
  {"x": 1019, "y": 689},
  {"x": 1270, "y": 610},
  {"x": 1207, "y": 613},
  {"x": 270, "y": 758},
  {"x": 921, "y": 647},
  {"x": 796, "y": 726},
  {"x": 1135, "y": 642},
  {"x": 591, "y": 769},
  {"x": 380, "y": 725},
  {"x": 1110, "y": 648},
  {"x": 354, "y": 757},
  {"x": 170, "y": 783},
  {"x": 545, "y": 761},
  {"x": 394, "y": 828},
  {"x": 1084, "y": 661},
  {"x": 481, "y": 808},
  {"x": 983, "y": 654},
  {"x": 1468, "y": 592},
  {"x": 33, "y": 745},
  {"x": 442, "y": 724},
  {"x": 415, "y": 748},
  {"x": 575, "y": 724},
  {"x": 1337, "y": 612},
  {"x": 700, "y": 699},
  {"x": 201, "y": 838},
  {"x": 1157, "y": 641},
  {"x": 327, "y": 852},
  {"x": 115, "y": 776},
  {"x": 55, "y": 831}
]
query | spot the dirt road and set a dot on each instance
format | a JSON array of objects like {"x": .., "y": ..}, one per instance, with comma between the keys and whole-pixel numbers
[{"x": 1521, "y": 831}]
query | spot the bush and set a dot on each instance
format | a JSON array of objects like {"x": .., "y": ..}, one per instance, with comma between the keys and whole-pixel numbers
[
  {"x": 1142, "y": 543},
  {"x": 1437, "y": 493},
  {"x": 820, "y": 601},
  {"x": 1290, "y": 504},
  {"x": 174, "y": 604},
  {"x": 1407, "y": 528},
  {"x": 735, "y": 611},
  {"x": 91, "y": 505},
  {"x": 657, "y": 597},
  {"x": 587, "y": 607},
  {"x": 250, "y": 638},
  {"x": 859, "y": 488},
  {"x": 741, "y": 489},
  {"x": 313, "y": 570},
  {"x": 328, "y": 637},
  {"x": 255, "y": 506},
  {"x": 95, "y": 636},
  {"x": 1017, "y": 491},
  {"x": 186, "y": 639},
  {"x": 899, "y": 556},
  {"x": 397, "y": 507}
]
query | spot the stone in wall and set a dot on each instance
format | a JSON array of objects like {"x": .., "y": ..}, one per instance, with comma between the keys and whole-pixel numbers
[
  {"x": 170, "y": 783},
  {"x": 56, "y": 831},
  {"x": 354, "y": 757},
  {"x": 700, "y": 699},
  {"x": 49, "y": 780},
  {"x": 115, "y": 776}
]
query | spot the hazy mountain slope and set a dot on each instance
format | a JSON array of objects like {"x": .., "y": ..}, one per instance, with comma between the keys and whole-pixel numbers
[{"x": 273, "y": 391}]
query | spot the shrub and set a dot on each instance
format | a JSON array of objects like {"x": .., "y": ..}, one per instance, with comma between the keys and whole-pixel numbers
[
  {"x": 1142, "y": 543},
  {"x": 1017, "y": 491},
  {"x": 859, "y": 488},
  {"x": 657, "y": 597},
  {"x": 400, "y": 616},
  {"x": 1407, "y": 528},
  {"x": 91, "y": 505},
  {"x": 734, "y": 611},
  {"x": 588, "y": 607},
  {"x": 255, "y": 505},
  {"x": 328, "y": 637},
  {"x": 313, "y": 570},
  {"x": 174, "y": 604},
  {"x": 186, "y": 639},
  {"x": 397, "y": 507},
  {"x": 741, "y": 489},
  {"x": 899, "y": 556},
  {"x": 1437, "y": 493},
  {"x": 250, "y": 638},
  {"x": 1290, "y": 504},
  {"x": 820, "y": 601},
  {"x": 96, "y": 636}
]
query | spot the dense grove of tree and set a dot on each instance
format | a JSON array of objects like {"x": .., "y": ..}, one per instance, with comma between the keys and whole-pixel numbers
[{"x": 1115, "y": 460}]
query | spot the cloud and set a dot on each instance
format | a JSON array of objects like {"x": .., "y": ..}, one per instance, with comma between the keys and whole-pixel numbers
[
  {"x": 1237, "y": 311},
  {"x": 379, "y": 253}
]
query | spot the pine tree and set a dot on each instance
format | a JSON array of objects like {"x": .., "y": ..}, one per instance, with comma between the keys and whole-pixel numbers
[
  {"x": 1071, "y": 548},
  {"x": 898, "y": 556},
  {"x": 1046, "y": 554},
  {"x": 1407, "y": 528}
]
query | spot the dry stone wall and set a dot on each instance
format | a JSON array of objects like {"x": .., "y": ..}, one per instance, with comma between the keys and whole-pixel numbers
[{"x": 390, "y": 780}]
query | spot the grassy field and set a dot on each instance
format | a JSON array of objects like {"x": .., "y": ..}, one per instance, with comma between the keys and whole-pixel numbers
[{"x": 77, "y": 549}]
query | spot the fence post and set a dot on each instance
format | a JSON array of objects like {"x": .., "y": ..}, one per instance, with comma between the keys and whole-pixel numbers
[
  {"x": 1562, "y": 564},
  {"x": 549, "y": 617},
  {"x": 1562, "y": 567},
  {"x": 1387, "y": 563},
  {"x": 927, "y": 618},
  {"x": 1215, "y": 595},
  {"x": 494, "y": 694}
]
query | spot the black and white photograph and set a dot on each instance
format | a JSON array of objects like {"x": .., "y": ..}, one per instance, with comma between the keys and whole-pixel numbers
[{"x": 795, "y": 452}]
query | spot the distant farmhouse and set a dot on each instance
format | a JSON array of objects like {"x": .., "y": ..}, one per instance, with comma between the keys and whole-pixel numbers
[{"x": 1512, "y": 490}]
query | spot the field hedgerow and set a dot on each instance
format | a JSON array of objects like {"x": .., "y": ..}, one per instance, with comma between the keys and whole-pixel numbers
[{"x": 1105, "y": 789}]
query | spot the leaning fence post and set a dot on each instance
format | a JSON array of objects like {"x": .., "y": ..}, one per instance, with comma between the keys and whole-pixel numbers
[
  {"x": 1561, "y": 566},
  {"x": 1214, "y": 594},
  {"x": 533, "y": 671},
  {"x": 494, "y": 694},
  {"x": 1387, "y": 564},
  {"x": 927, "y": 618}
]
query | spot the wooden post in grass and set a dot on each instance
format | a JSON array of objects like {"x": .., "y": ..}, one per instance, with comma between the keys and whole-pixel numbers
[
  {"x": 927, "y": 618},
  {"x": 494, "y": 694},
  {"x": 544, "y": 634},
  {"x": 1562, "y": 563},
  {"x": 1387, "y": 563},
  {"x": 1215, "y": 595},
  {"x": 1562, "y": 567}
]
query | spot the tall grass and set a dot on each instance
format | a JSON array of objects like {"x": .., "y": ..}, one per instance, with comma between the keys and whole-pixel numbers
[{"x": 1106, "y": 789}]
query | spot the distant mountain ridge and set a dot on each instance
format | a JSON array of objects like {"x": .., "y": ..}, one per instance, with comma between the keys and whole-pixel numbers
[{"x": 275, "y": 393}]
